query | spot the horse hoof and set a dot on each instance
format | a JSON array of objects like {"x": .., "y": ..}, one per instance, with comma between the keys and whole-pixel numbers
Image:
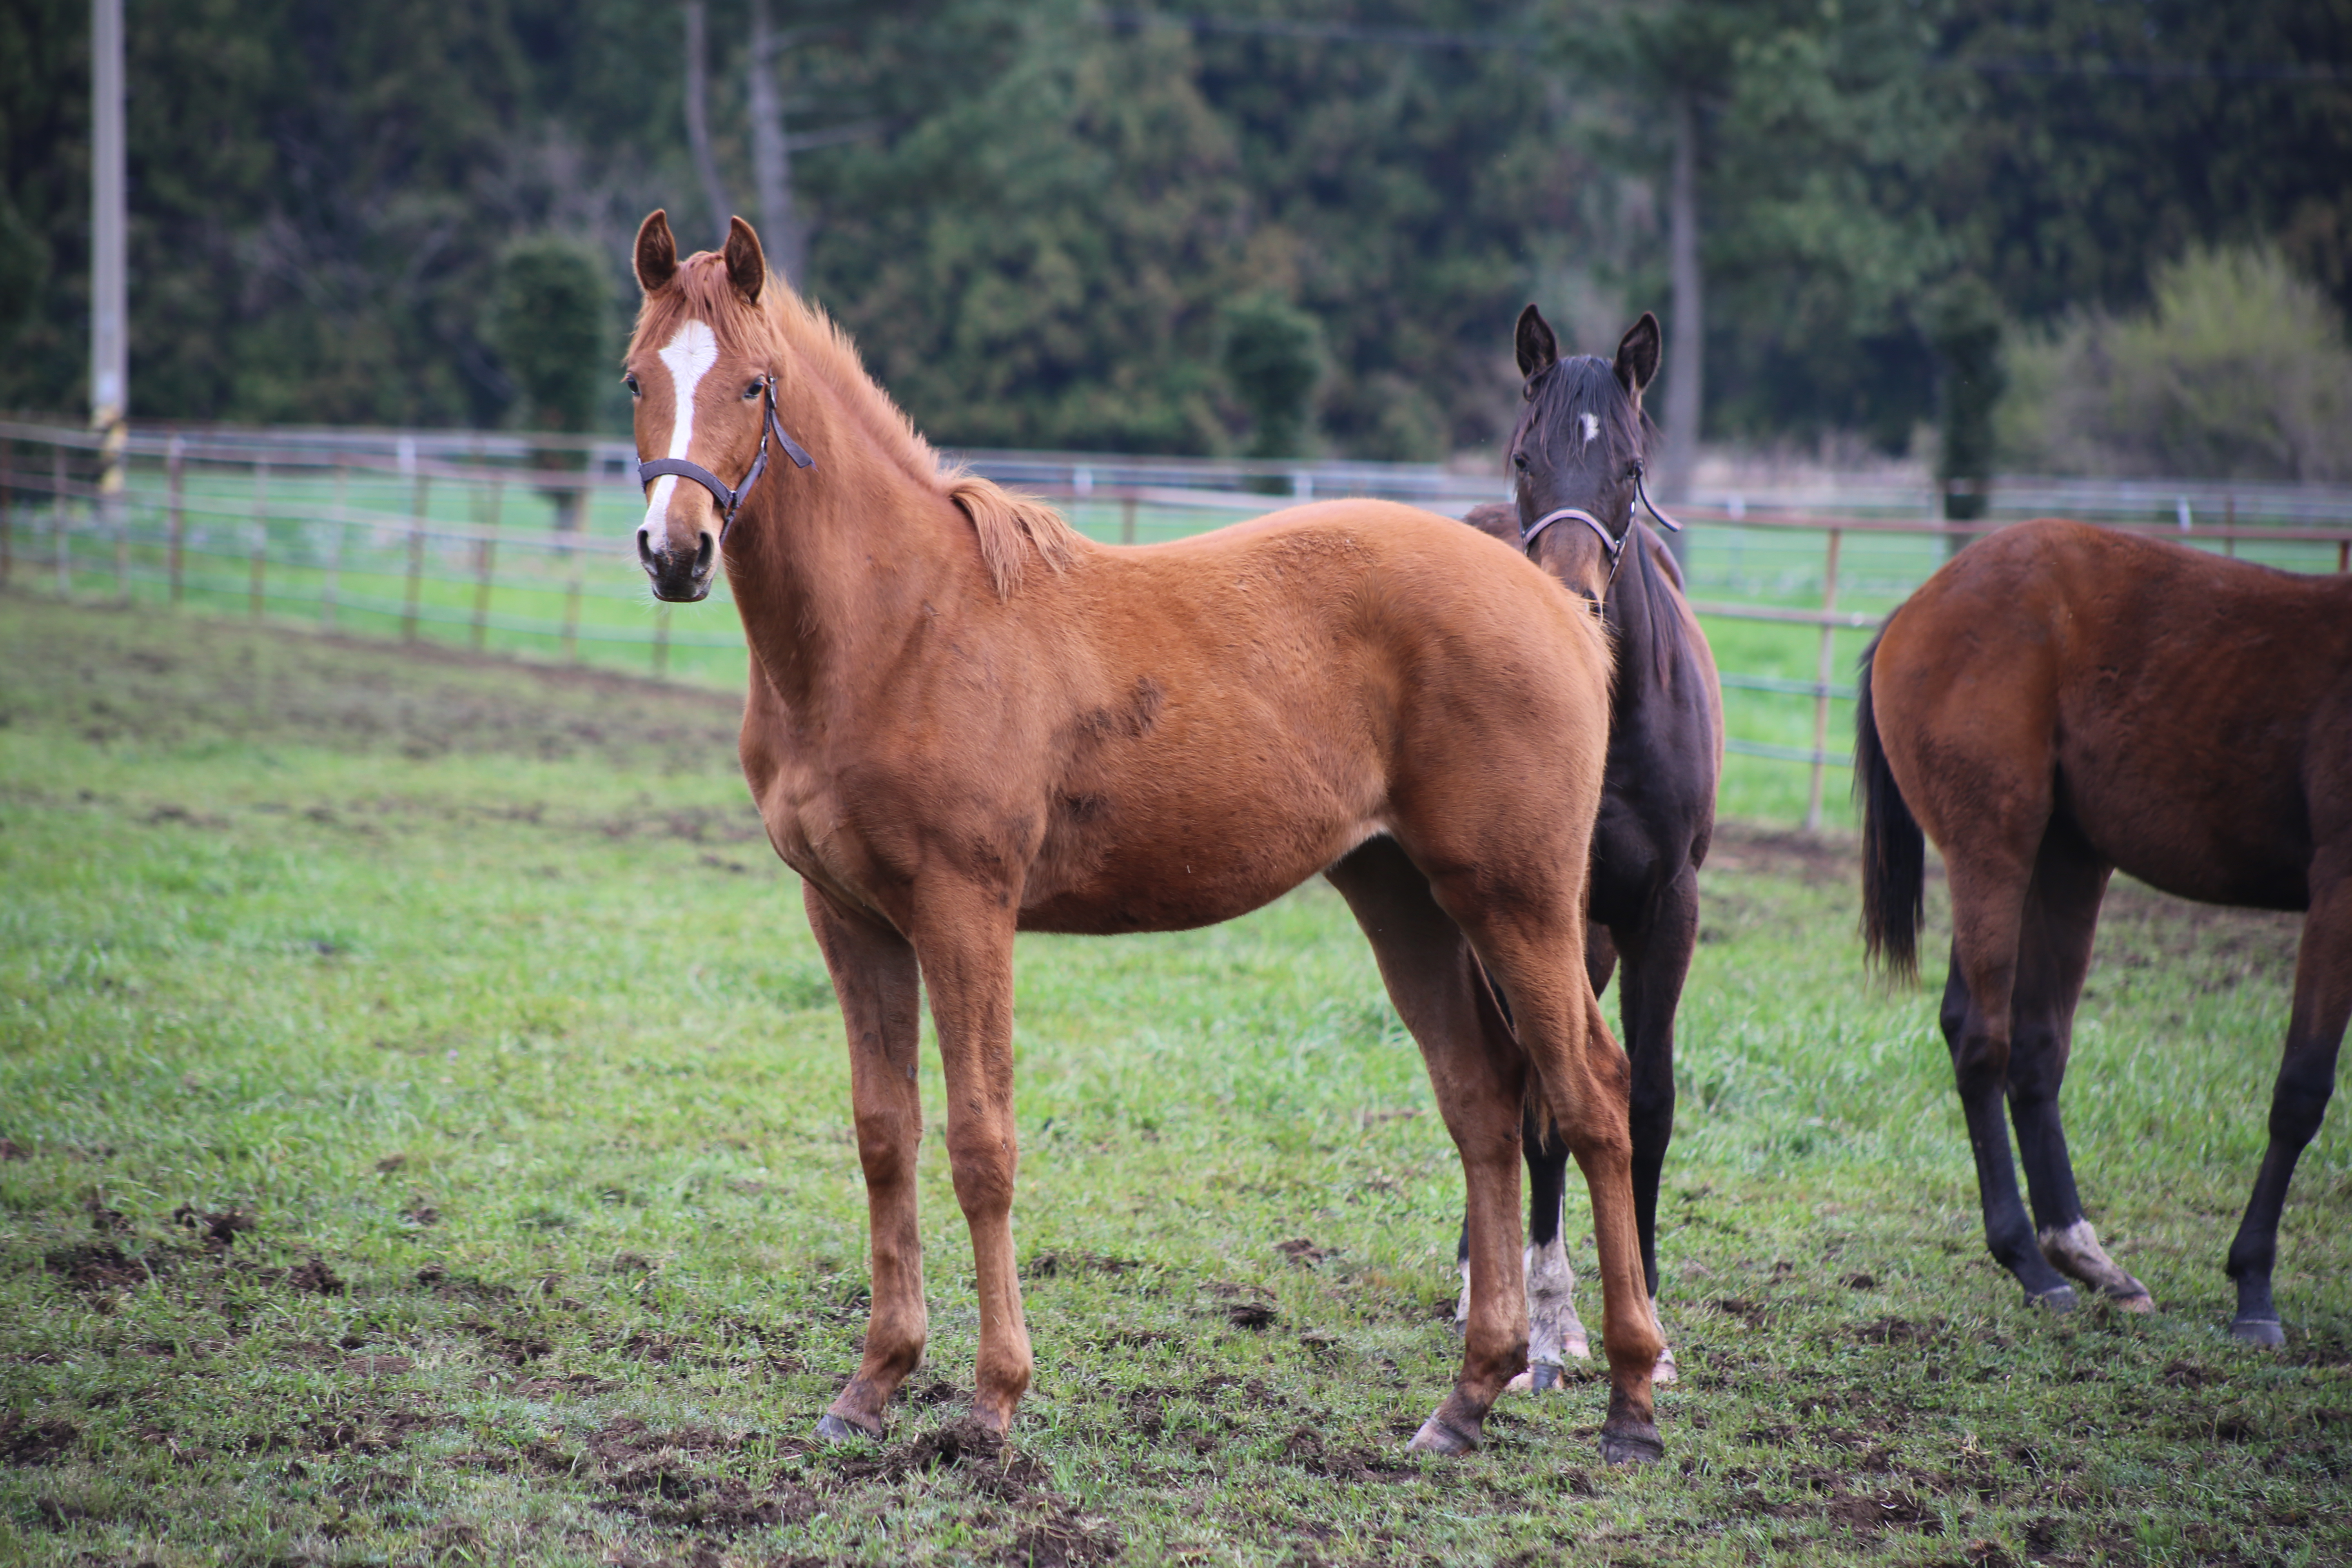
[
  {"x": 2060, "y": 1299},
  {"x": 1439, "y": 1436},
  {"x": 1577, "y": 1347},
  {"x": 2265, "y": 1331},
  {"x": 1544, "y": 1375},
  {"x": 2141, "y": 1302},
  {"x": 1664, "y": 1371},
  {"x": 1636, "y": 1443},
  {"x": 833, "y": 1428},
  {"x": 1523, "y": 1383}
]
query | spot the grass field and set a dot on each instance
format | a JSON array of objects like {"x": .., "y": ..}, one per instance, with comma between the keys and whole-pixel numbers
[{"x": 426, "y": 1140}]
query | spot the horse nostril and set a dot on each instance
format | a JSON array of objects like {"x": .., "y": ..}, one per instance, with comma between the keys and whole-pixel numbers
[
  {"x": 703, "y": 552},
  {"x": 644, "y": 549}
]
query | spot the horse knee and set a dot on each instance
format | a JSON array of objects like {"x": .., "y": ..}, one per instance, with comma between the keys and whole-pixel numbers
[
  {"x": 982, "y": 1166},
  {"x": 1980, "y": 1064}
]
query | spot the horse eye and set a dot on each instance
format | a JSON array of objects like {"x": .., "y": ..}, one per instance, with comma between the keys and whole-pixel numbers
[
  {"x": 751, "y": 391},
  {"x": 630, "y": 382},
  {"x": 1519, "y": 461}
]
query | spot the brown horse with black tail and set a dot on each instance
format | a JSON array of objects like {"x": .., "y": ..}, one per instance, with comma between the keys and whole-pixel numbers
[
  {"x": 1577, "y": 469},
  {"x": 965, "y": 721},
  {"x": 2062, "y": 701}
]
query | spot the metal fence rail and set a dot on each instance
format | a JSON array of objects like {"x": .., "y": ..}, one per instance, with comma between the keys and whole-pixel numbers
[{"x": 514, "y": 542}]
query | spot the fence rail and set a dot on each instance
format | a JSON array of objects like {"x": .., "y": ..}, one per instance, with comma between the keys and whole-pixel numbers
[{"x": 514, "y": 542}]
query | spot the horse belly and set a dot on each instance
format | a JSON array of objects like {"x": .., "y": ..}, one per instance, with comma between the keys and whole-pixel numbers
[{"x": 1215, "y": 859}]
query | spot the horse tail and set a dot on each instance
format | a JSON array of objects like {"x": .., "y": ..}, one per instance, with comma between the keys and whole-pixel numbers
[{"x": 1894, "y": 850}]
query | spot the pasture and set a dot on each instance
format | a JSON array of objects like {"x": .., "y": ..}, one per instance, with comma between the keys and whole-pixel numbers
[{"x": 427, "y": 1140}]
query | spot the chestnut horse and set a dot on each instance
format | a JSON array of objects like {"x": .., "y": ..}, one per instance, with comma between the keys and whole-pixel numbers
[
  {"x": 1576, "y": 463},
  {"x": 2061, "y": 701},
  {"x": 966, "y": 719}
]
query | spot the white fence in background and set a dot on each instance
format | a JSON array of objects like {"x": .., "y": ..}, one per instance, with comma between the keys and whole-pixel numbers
[{"x": 518, "y": 543}]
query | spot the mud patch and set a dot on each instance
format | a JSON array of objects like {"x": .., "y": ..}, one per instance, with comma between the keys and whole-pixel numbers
[
  {"x": 314, "y": 1277},
  {"x": 1305, "y": 1449},
  {"x": 96, "y": 1269},
  {"x": 219, "y": 1230},
  {"x": 25, "y": 1443}
]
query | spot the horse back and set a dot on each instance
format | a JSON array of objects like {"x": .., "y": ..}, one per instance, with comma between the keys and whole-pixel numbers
[{"x": 2188, "y": 712}]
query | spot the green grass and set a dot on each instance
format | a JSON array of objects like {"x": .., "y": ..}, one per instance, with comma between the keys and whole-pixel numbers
[{"x": 464, "y": 1001}]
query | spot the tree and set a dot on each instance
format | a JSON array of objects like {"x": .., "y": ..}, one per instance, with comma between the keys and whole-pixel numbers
[
  {"x": 554, "y": 328},
  {"x": 1964, "y": 329},
  {"x": 1273, "y": 357}
]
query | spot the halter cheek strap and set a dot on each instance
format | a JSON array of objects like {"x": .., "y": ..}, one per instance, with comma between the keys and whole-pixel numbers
[
  {"x": 731, "y": 501},
  {"x": 1612, "y": 546}
]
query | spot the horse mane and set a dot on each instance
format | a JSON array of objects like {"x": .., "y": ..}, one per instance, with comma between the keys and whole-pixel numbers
[{"x": 1008, "y": 525}]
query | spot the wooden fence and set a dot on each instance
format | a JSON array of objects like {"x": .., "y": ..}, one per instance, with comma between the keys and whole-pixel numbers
[{"x": 503, "y": 542}]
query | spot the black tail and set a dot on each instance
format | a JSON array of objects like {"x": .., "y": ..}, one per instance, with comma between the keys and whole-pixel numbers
[{"x": 1894, "y": 850}]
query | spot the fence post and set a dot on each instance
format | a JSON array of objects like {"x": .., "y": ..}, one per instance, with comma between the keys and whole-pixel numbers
[
  {"x": 1821, "y": 688},
  {"x": 572, "y": 608},
  {"x": 59, "y": 521},
  {"x": 486, "y": 553},
  {"x": 175, "y": 467},
  {"x": 2344, "y": 554},
  {"x": 415, "y": 558},
  {"x": 8, "y": 509},
  {"x": 118, "y": 516},
  {"x": 254, "y": 588},
  {"x": 330, "y": 584},
  {"x": 1126, "y": 520}
]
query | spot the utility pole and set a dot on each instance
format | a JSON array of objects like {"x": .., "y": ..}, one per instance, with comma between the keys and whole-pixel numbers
[
  {"x": 1685, "y": 349},
  {"x": 110, "y": 329}
]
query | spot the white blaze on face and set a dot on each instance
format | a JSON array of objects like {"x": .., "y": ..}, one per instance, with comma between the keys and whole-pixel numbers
[
  {"x": 1591, "y": 427},
  {"x": 687, "y": 357}
]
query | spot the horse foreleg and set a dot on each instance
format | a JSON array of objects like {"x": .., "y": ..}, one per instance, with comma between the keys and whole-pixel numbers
[
  {"x": 1555, "y": 1335},
  {"x": 964, "y": 937},
  {"x": 1657, "y": 962},
  {"x": 2322, "y": 1002},
  {"x": 874, "y": 975}
]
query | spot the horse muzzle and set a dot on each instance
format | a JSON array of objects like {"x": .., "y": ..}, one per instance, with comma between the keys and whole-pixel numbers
[{"x": 681, "y": 576}]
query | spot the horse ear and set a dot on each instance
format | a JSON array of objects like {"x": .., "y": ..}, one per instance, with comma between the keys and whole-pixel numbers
[
  {"x": 1637, "y": 354},
  {"x": 746, "y": 264},
  {"x": 1538, "y": 350},
  {"x": 657, "y": 251}
]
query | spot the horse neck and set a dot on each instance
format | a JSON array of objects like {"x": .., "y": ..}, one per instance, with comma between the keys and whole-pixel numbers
[
  {"x": 1637, "y": 617},
  {"x": 835, "y": 565}
]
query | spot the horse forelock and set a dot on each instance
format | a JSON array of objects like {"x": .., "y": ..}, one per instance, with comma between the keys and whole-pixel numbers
[
  {"x": 783, "y": 325},
  {"x": 1580, "y": 401}
]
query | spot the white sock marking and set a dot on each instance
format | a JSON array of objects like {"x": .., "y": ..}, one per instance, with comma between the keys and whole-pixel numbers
[{"x": 687, "y": 357}]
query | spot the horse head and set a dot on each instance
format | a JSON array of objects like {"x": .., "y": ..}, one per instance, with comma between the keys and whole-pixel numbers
[
  {"x": 1576, "y": 456},
  {"x": 702, "y": 370}
]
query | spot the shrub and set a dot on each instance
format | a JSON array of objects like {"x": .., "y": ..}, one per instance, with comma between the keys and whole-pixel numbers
[{"x": 2238, "y": 370}]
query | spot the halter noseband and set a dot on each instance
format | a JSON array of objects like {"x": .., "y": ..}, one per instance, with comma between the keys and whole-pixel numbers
[
  {"x": 1613, "y": 548},
  {"x": 731, "y": 501}
]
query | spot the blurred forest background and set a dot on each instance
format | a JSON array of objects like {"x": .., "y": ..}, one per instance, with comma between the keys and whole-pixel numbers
[{"x": 1063, "y": 225}]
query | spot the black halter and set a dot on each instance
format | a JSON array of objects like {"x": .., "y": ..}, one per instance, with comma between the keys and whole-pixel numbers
[
  {"x": 1613, "y": 547},
  {"x": 731, "y": 501}
]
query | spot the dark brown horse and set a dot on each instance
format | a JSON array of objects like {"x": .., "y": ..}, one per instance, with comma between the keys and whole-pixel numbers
[
  {"x": 1576, "y": 463},
  {"x": 2061, "y": 700},
  {"x": 965, "y": 721}
]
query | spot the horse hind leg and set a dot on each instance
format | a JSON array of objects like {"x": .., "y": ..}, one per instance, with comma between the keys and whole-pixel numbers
[
  {"x": 2060, "y": 918},
  {"x": 2306, "y": 1080},
  {"x": 1555, "y": 1335},
  {"x": 1479, "y": 1076},
  {"x": 1586, "y": 1083}
]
